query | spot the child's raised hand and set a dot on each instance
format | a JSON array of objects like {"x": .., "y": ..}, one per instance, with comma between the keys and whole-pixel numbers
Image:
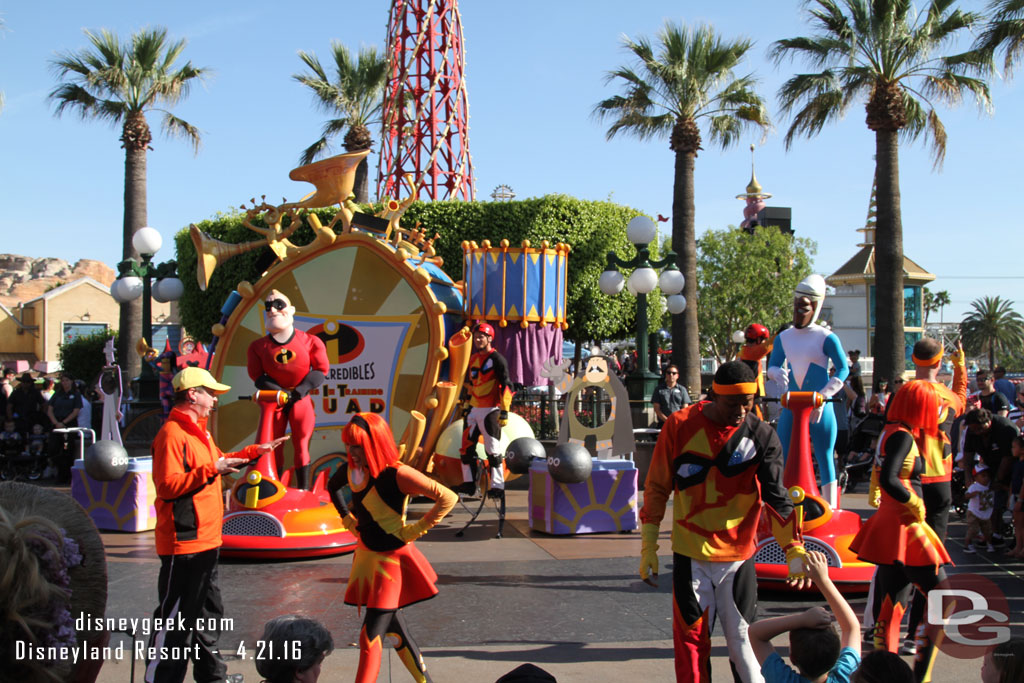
[
  {"x": 816, "y": 565},
  {"x": 816, "y": 617}
]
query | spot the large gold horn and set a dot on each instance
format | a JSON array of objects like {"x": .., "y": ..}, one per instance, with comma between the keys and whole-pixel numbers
[
  {"x": 211, "y": 252},
  {"x": 334, "y": 179},
  {"x": 460, "y": 348},
  {"x": 411, "y": 437}
]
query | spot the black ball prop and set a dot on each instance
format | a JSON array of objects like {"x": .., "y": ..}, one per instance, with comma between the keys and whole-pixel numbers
[
  {"x": 521, "y": 453},
  {"x": 106, "y": 460},
  {"x": 570, "y": 463}
]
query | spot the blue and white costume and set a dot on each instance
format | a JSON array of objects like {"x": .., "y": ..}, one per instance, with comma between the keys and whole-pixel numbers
[{"x": 808, "y": 351}]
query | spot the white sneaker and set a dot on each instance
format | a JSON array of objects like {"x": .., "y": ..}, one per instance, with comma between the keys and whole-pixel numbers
[
  {"x": 969, "y": 549},
  {"x": 909, "y": 647},
  {"x": 990, "y": 548}
]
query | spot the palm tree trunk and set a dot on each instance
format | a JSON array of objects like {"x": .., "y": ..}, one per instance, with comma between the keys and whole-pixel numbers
[
  {"x": 888, "y": 351},
  {"x": 362, "y": 184},
  {"x": 685, "y": 338},
  {"x": 130, "y": 330}
]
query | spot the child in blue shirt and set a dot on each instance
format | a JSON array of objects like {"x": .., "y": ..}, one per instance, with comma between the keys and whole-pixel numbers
[{"x": 819, "y": 653}]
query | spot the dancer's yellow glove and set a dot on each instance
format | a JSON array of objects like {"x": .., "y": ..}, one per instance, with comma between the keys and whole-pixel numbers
[
  {"x": 915, "y": 506},
  {"x": 649, "y": 553},
  {"x": 350, "y": 522},
  {"x": 410, "y": 532}
]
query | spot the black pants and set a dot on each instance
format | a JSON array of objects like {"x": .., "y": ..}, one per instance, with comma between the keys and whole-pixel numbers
[
  {"x": 63, "y": 450},
  {"x": 937, "y": 497},
  {"x": 188, "y": 591},
  {"x": 891, "y": 593}
]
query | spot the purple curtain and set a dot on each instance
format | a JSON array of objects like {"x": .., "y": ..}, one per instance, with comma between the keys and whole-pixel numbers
[{"x": 527, "y": 350}]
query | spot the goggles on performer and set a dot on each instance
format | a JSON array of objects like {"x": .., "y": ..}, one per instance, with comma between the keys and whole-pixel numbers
[{"x": 276, "y": 304}]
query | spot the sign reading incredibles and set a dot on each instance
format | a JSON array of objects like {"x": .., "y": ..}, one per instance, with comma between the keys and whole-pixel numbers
[{"x": 363, "y": 353}]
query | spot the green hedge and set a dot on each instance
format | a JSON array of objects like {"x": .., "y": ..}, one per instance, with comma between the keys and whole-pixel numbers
[{"x": 590, "y": 228}]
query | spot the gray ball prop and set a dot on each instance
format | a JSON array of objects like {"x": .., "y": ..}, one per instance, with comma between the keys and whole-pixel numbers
[
  {"x": 106, "y": 460},
  {"x": 521, "y": 453},
  {"x": 570, "y": 463}
]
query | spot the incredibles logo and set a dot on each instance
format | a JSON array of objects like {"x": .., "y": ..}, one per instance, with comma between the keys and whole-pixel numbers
[
  {"x": 344, "y": 343},
  {"x": 284, "y": 356}
]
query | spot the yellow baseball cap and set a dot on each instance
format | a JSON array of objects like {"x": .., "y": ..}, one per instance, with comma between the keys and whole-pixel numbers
[{"x": 192, "y": 377}]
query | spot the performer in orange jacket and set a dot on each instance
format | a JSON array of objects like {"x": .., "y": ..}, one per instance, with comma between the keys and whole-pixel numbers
[
  {"x": 290, "y": 360},
  {"x": 718, "y": 461},
  {"x": 187, "y": 466},
  {"x": 388, "y": 572}
]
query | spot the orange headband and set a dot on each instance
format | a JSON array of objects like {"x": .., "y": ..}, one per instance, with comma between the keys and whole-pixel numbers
[
  {"x": 733, "y": 389},
  {"x": 925, "y": 362}
]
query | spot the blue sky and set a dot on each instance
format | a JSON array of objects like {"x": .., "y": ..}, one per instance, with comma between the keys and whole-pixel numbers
[{"x": 535, "y": 70}]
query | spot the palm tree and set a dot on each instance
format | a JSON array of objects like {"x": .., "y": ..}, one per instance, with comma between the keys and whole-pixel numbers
[
  {"x": 992, "y": 326},
  {"x": 1005, "y": 31},
  {"x": 668, "y": 94},
  {"x": 119, "y": 83},
  {"x": 884, "y": 52},
  {"x": 356, "y": 95}
]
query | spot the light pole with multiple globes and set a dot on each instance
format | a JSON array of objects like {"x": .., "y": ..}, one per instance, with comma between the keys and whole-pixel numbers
[
  {"x": 641, "y": 231},
  {"x": 134, "y": 279}
]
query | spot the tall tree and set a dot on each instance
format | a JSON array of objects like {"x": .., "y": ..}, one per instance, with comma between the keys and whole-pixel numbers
[
  {"x": 356, "y": 95},
  {"x": 668, "y": 92},
  {"x": 120, "y": 83},
  {"x": 883, "y": 51},
  {"x": 993, "y": 327},
  {"x": 744, "y": 279}
]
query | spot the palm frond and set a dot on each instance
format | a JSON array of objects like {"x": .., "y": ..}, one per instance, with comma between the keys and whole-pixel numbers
[{"x": 179, "y": 128}]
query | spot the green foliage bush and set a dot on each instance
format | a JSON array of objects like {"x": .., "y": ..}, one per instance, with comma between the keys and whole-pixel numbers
[
  {"x": 83, "y": 357},
  {"x": 590, "y": 228}
]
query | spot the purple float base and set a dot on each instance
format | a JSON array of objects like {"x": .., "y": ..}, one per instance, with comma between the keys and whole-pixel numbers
[
  {"x": 126, "y": 504},
  {"x": 604, "y": 502}
]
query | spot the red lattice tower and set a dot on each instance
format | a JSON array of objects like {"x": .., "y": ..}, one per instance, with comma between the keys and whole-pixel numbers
[{"x": 426, "y": 110}]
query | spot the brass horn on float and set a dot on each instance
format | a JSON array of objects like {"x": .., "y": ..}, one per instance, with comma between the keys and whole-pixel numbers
[
  {"x": 210, "y": 252},
  {"x": 460, "y": 348},
  {"x": 411, "y": 437},
  {"x": 334, "y": 178}
]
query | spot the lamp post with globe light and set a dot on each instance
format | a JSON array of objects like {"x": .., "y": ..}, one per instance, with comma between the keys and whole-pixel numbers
[
  {"x": 134, "y": 279},
  {"x": 641, "y": 231}
]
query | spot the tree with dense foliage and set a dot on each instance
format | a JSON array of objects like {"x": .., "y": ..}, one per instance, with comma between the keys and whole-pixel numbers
[
  {"x": 82, "y": 357},
  {"x": 355, "y": 95},
  {"x": 670, "y": 90},
  {"x": 887, "y": 53},
  {"x": 744, "y": 279},
  {"x": 992, "y": 327},
  {"x": 120, "y": 83},
  {"x": 590, "y": 228}
]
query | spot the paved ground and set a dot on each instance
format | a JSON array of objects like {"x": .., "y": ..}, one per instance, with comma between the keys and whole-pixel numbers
[{"x": 572, "y": 605}]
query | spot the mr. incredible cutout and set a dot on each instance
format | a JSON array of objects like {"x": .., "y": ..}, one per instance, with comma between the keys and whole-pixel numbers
[
  {"x": 808, "y": 347},
  {"x": 289, "y": 360}
]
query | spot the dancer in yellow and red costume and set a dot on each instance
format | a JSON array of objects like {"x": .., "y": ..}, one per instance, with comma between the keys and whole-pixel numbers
[
  {"x": 486, "y": 396},
  {"x": 897, "y": 538},
  {"x": 288, "y": 360},
  {"x": 718, "y": 461},
  {"x": 388, "y": 572}
]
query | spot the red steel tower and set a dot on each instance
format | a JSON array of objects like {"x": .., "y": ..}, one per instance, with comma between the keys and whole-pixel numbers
[{"x": 426, "y": 110}]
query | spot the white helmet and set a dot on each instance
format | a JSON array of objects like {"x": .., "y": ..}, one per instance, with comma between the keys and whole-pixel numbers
[{"x": 813, "y": 287}]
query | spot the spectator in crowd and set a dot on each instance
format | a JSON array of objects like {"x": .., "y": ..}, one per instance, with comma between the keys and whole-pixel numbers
[
  {"x": 817, "y": 651},
  {"x": 991, "y": 400},
  {"x": 989, "y": 440},
  {"x": 62, "y": 412},
  {"x": 669, "y": 396},
  {"x": 1004, "y": 663},
  {"x": 25, "y": 405},
  {"x": 880, "y": 393},
  {"x": 1003, "y": 385},
  {"x": 882, "y": 666},
  {"x": 300, "y": 646}
]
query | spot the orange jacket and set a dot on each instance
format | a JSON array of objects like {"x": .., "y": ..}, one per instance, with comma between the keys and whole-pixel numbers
[{"x": 189, "y": 502}]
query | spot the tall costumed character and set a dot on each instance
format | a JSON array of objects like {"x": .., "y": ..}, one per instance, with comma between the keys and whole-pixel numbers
[
  {"x": 808, "y": 347},
  {"x": 756, "y": 345},
  {"x": 486, "y": 396},
  {"x": 292, "y": 361}
]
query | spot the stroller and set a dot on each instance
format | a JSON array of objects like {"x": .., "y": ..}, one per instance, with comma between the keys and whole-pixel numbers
[{"x": 855, "y": 464}]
